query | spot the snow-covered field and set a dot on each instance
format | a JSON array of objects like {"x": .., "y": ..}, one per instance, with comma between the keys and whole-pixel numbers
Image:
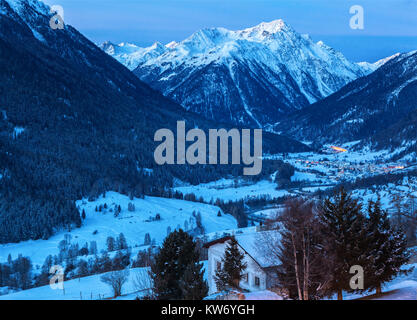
[
  {"x": 99, "y": 225},
  {"x": 90, "y": 288},
  {"x": 87, "y": 288},
  {"x": 305, "y": 176},
  {"x": 226, "y": 189}
]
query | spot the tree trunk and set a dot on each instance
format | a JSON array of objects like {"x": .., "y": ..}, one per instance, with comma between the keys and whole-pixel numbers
[
  {"x": 378, "y": 289},
  {"x": 297, "y": 274},
  {"x": 236, "y": 283},
  {"x": 339, "y": 294},
  {"x": 306, "y": 268}
]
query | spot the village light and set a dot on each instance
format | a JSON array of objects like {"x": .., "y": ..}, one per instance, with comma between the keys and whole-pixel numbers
[{"x": 338, "y": 149}]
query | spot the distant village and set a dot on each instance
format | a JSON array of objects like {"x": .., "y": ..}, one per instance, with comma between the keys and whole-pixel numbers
[{"x": 334, "y": 167}]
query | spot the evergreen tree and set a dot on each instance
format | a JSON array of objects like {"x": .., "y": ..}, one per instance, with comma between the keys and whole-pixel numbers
[
  {"x": 147, "y": 241},
  {"x": 387, "y": 249},
  {"x": 82, "y": 268},
  {"x": 22, "y": 269},
  {"x": 342, "y": 226},
  {"x": 232, "y": 267},
  {"x": 43, "y": 278},
  {"x": 110, "y": 244},
  {"x": 83, "y": 214},
  {"x": 121, "y": 242},
  {"x": 192, "y": 284},
  {"x": 177, "y": 253},
  {"x": 104, "y": 263},
  {"x": 121, "y": 260},
  {"x": 93, "y": 247}
]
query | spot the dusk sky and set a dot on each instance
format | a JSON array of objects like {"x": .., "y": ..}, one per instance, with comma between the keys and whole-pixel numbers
[{"x": 390, "y": 25}]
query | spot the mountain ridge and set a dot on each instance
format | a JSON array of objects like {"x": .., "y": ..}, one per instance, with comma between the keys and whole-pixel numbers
[
  {"x": 251, "y": 76},
  {"x": 378, "y": 109}
]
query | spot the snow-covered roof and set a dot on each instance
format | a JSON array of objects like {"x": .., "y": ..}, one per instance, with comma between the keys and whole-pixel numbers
[{"x": 251, "y": 243}]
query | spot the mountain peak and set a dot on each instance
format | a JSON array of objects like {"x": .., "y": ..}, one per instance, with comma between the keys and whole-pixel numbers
[
  {"x": 265, "y": 30},
  {"x": 172, "y": 44},
  {"x": 222, "y": 60},
  {"x": 157, "y": 45},
  {"x": 209, "y": 37},
  {"x": 270, "y": 27},
  {"x": 127, "y": 44}
]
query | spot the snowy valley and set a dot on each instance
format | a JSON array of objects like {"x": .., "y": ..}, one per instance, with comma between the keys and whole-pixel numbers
[{"x": 83, "y": 197}]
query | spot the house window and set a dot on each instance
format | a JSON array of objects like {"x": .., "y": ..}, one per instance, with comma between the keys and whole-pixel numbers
[
  {"x": 218, "y": 266},
  {"x": 257, "y": 281}
]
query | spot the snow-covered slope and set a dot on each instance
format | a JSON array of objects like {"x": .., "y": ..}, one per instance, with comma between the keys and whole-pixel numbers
[
  {"x": 86, "y": 288},
  {"x": 249, "y": 76},
  {"x": 134, "y": 224},
  {"x": 233, "y": 190},
  {"x": 371, "y": 67},
  {"x": 131, "y": 55}
]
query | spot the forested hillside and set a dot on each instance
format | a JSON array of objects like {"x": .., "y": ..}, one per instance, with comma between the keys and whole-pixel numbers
[{"x": 74, "y": 122}]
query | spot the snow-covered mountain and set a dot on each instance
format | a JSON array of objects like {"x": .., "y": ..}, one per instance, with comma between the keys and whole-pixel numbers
[
  {"x": 371, "y": 67},
  {"x": 380, "y": 108},
  {"x": 251, "y": 76},
  {"x": 131, "y": 55}
]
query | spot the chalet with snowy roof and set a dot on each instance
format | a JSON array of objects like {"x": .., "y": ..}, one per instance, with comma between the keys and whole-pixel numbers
[{"x": 260, "y": 273}]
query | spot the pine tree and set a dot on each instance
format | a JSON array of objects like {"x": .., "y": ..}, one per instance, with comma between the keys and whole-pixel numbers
[
  {"x": 342, "y": 226},
  {"x": 192, "y": 284},
  {"x": 121, "y": 242},
  {"x": 110, "y": 244},
  {"x": 147, "y": 241},
  {"x": 131, "y": 207},
  {"x": 177, "y": 253},
  {"x": 104, "y": 263},
  {"x": 82, "y": 268},
  {"x": 387, "y": 249},
  {"x": 93, "y": 247},
  {"x": 232, "y": 268}
]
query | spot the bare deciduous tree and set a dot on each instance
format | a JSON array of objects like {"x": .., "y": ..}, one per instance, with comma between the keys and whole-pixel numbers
[
  {"x": 142, "y": 282},
  {"x": 116, "y": 280},
  {"x": 292, "y": 241}
]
